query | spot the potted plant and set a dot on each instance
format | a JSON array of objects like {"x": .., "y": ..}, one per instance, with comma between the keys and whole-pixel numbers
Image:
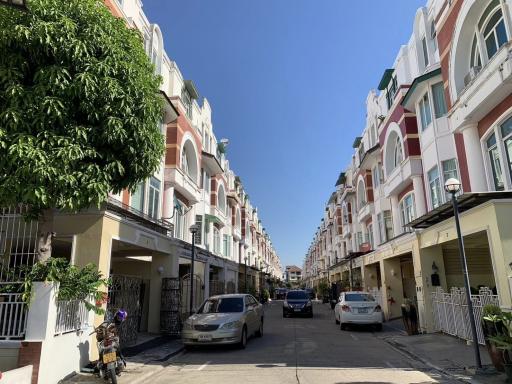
[
  {"x": 492, "y": 326},
  {"x": 503, "y": 339}
]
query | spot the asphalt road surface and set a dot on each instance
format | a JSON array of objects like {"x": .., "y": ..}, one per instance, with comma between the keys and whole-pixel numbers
[{"x": 301, "y": 351}]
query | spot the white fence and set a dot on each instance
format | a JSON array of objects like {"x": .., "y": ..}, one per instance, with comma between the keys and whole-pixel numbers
[
  {"x": 13, "y": 316},
  {"x": 451, "y": 314},
  {"x": 71, "y": 316}
]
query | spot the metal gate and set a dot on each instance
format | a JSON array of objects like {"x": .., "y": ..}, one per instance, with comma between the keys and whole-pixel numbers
[
  {"x": 217, "y": 287},
  {"x": 170, "y": 307},
  {"x": 451, "y": 314},
  {"x": 185, "y": 294},
  {"x": 231, "y": 287},
  {"x": 18, "y": 250},
  {"x": 124, "y": 292}
]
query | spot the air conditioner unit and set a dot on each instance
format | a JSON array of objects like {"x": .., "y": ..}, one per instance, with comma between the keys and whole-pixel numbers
[{"x": 473, "y": 72}]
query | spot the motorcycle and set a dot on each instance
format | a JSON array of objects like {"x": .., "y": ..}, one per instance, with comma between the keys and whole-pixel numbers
[{"x": 110, "y": 363}]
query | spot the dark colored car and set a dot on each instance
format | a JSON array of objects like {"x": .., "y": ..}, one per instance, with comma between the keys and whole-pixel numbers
[{"x": 297, "y": 303}]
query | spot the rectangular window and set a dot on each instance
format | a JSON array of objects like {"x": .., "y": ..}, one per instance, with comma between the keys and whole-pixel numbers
[
  {"x": 137, "y": 198},
  {"x": 439, "y": 101},
  {"x": 154, "y": 197},
  {"x": 179, "y": 219},
  {"x": 425, "y": 113},
  {"x": 425, "y": 51},
  {"x": 391, "y": 91},
  {"x": 361, "y": 153},
  {"x": 494, "y": 158},
  {"x": 199, "y": 233},
  {"x": 206, "y": 182},
  {"x": 370, "y": 236},
  {"x": 216, "y": 241},
  {"x": 407, "y": 209},
  {"x": 225, "y": 246},
  {"x": 506, "y": 134},
  {"x": 435, "y": 187},
  {"x": 359, "y": 240},
  {"x": 450, "y": 172},
  {"x": 376, "y": 176}
]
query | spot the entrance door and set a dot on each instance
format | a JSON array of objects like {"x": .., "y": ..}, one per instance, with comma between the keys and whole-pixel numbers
[{"x": 408, "y": 280}]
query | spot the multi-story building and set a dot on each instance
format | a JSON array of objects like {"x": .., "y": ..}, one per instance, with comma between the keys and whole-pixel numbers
[
  {"x": 292, "y": 274},
  {"x": 443, "y": 110}
]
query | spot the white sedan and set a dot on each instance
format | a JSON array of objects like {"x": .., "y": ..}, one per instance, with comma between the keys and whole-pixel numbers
[{"x": 358, "y": 308}]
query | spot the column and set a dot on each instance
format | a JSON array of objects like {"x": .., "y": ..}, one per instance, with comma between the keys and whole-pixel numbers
[
  {"x": 475, "y": 160},
  {"x": 395, "y": 214},
  {"x": 419, "y": 196},
  {"x": 168, "y": 204},
  {"x": 206, "y": 279},
  {"x": 376, "y": 233}
]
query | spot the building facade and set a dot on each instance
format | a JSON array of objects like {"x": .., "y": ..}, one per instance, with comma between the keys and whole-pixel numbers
[{"x": 442, "y": 110}]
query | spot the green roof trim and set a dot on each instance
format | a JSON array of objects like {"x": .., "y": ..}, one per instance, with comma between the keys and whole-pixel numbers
[
  {"x": 418, "y": 81},
  {"x": 341, "y": 179},
  {"x": 213, "y": 219},
  {"x": 356, "y": 142},
  {"x": 386, "y": 78}
]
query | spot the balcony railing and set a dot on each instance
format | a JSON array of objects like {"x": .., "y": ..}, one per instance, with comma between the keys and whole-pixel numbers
[{"x": 158, "y": 225}]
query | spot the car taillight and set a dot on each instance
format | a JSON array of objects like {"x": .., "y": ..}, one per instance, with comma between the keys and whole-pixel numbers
[
  {"x": 378, "y": 309},
  {"x": 345, "y": 308}
]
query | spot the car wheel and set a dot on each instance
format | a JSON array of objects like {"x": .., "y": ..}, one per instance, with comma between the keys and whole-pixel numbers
[
  {"x": 310, "y": 315},
  {"x": 378, "y": 327},
  {"x": 243, "y": 338},
  {"x": 259, "y": 332},
  {"x": 284, "y": 314},
  {"x": 336, "y": 318},
  {"x": 343, "y": 326}
]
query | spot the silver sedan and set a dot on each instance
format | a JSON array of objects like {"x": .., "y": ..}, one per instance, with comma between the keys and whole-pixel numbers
[{"x": 224, "y": 319}]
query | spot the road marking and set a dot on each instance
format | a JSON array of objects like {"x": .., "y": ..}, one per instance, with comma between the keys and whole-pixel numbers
[
  {"x": 354, "y": 337},
  {"x": 195, "y": 369},
  {"x": 204, "y": 366}
]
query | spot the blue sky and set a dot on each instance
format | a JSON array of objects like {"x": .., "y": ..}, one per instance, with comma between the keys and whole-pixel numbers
[{"x": 287, "y": 81}]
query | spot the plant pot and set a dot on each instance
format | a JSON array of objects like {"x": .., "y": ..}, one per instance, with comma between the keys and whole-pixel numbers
[
  {"x": 496, "y": 355},
  {"x": 508, "y": 371}
]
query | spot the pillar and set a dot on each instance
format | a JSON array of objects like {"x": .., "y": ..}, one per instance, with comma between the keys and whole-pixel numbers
[
  {"x": 207, "y": 280},
  {"x": 475, "y": 160},
  {"x": 395, "y": 215},
  {"x": 168, "y": 204},
  {"x": 392, "y": 293},
  {"x": 419, "y": 195},
  {"x": 376, "y": 233}
]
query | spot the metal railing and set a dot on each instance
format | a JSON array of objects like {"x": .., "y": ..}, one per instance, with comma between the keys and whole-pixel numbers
[
  {"x": 451, "y": 314},
  {"x": 72, "y": 316},
  {"x": 13, "y": 316}
]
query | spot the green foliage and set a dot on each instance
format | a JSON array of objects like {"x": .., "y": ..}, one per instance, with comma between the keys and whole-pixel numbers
[
  {"x": 323, "y": 289},
  {"x": 75, "y": 283},
  {"x": 491, "y": 309},
  {"x": 503, "y": 339},
  {"x": 266, "y": 295},
  {"x": 79, "y": 105}
]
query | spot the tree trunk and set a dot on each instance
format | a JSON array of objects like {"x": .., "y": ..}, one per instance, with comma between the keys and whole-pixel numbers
[{"x": 46, "y": 234}]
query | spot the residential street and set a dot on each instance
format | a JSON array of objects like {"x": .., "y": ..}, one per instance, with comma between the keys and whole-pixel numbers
[{"x": 301, "y": 350}]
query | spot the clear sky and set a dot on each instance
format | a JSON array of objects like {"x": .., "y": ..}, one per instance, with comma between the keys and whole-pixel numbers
[{"x": 287, "y": 81}]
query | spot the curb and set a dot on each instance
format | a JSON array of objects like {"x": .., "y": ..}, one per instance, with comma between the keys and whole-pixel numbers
[
  {"x": 140, "y": 379},
  {"x": 402, "y": 349}
]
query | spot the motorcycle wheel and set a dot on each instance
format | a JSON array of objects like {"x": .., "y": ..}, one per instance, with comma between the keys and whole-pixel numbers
[{"x": 113, "y": 376}]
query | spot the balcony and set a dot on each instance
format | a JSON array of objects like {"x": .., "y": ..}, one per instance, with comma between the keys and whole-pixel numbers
[
  {"x": 237, "y": 234},
  {"x": 365, "y": 212},
  {"x": 400, "y": 177},
  {"x": 484, "y": 89},
  {"x": 183, "y": 184}
]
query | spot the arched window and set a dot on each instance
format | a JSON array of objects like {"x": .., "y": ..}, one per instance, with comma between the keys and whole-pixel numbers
[
  {"x": 361, "y": 194},
  {"x": 189, "y": 160},
  {"x": 492, "y": 27},
  {"x": 221, "y": 199},
  {"x": 398, "y": 154}
]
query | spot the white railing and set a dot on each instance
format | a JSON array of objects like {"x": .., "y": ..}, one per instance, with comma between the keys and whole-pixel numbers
[
  {"x": 13, "y": 316},
  {"x": 72, "y": 316},
  {"x": 451, "y": 315}
]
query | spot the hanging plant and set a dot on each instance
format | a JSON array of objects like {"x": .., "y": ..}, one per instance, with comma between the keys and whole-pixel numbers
[{"x": 221, "y": 148}]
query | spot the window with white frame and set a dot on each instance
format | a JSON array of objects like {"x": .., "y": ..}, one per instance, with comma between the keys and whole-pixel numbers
[
  {"x": 187, "y": 102},
  {"x": 495, "y": 162},
  {"x": 370, "y": 236},
  {"x": 440, "y": 109},
  {"x": 424, "y": 50},
  {"x": 499, "y": 149},
  {"x": 433, "y": 34},
  {"x": 359, "y": 239},
  {"x": 180, "y": 219},
  {"x": 385, "y": 223},
  {"x": 206, "y": 181},
  {"x": 226, "y": 246},
  {"x": 425, "y": 112},
  {"x": 361, "y": 194},
  {"x": 398, "y": 154},
  {"x": 450, "y": 172},
  {"x": 154, "y": 197},
  {"x": 407, "y": 209},
  {"x": 373, "y": 135},
  {"x": 392, "y": 90},
  {"x": 376, "y": 176},
  {"x": 216, "y": 240},
  {"x": 138, "y": 196},
  {"x": 434, "y": 182},
  {"x": 221, "y": 199}
]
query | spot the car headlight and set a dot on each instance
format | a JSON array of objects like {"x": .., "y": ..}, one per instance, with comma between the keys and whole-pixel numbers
[
  {"x": 232, "y": 325},
  {"x": 308, "y": 304},
  {"x": 285, "y": 303},
  {"x": 187, "y": 325}
]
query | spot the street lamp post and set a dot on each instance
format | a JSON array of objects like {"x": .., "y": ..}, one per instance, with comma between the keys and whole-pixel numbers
[
  {"x": 452, "y": 186},
  {"x": 245, "y": 275},
  {"x": 193, "y": 230}
]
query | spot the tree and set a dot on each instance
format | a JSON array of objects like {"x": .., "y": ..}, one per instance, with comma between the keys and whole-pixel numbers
[{"x": 79, "y": 109}]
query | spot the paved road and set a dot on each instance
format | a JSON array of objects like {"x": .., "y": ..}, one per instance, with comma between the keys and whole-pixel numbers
[{"x": 301, "y": 351}]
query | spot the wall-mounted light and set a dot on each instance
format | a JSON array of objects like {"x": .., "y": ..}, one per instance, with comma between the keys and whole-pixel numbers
[
  {"x": 393, "y": 272},
  {"x": 160, "y": 270},
  {"x": 435, "y": 269}
]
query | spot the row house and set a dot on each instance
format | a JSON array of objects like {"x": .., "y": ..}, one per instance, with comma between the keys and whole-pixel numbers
[
  {"x": 142, "y": 240},
  {"x": 442, "y": 111}
]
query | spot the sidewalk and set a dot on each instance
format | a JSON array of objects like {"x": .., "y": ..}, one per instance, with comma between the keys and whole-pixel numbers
[
  {"x": 448, "y": 355},
  {"x": 139, "y": 366}
]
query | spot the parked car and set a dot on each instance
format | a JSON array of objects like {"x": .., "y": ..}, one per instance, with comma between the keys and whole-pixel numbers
[
  {"x": 297, "y": 302},
  {"x": 225, "y": 319},
  {"x": 358, "y": 308},
  {"x": 281, "y": 293}
]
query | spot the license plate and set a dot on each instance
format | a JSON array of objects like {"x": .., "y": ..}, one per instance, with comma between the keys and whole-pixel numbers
[
  {"x": 109, "y": 357},
  {"x": 204, "y": 338},
  {"x": 297, "y": 309},
  {"x": 363, "y": 310}
]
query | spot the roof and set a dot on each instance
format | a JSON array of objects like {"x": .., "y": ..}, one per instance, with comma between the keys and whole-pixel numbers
[
  {"x": 191, "y": 88},
  {"x": 341, "y": 179},
  {"x": 386, "y": 77},
  {"x": 465, "y": 202},
  {"x": 357, "y": 142},
  {"x": 293, "y": 268},
  {"x": 416, "y": 83}
]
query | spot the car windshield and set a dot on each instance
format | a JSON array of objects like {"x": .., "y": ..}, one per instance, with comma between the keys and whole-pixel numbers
[
  {"x": 358, "y": 297},
  {"x": 298, "y": 295},
  {"x": 223, "y": 305}
]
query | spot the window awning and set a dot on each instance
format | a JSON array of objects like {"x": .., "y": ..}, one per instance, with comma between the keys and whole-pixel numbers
[
  {"x": 212, "y": 163},
  {"x": 386, "y": 78},
  {"x": 191, "y": 88},
  {"x": 465, "y": 202},
  {"x": 417, "y": 89},
  {"x": 341, "y": 179},
  {"x": 213, "y": 219}
]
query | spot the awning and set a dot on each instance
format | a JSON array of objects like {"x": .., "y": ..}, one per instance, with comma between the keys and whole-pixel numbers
[
  {"x": 213, "y": 219},
  {"x": 170, "y": 112},
  {"x": 191, "y": 88},
  {"x": 416, "y": 87},
  {"x": 386, "y": 77},
  {"x": 212, "y": 163},
  {"x": 341, "y": 179},
  {"x": 357, "y": 142},
  {"x": 465, "y": 202}
]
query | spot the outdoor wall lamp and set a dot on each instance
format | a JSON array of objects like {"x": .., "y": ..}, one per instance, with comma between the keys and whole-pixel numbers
[
  {"x": 160, "y": 269},
  {"x": 452, "y": 186},
  {"x": 435, "y": 269},
  {"x": 393, "y": 272}
]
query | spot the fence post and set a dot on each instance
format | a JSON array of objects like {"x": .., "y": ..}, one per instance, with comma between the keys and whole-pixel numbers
[{"x": 42, "y": 312}]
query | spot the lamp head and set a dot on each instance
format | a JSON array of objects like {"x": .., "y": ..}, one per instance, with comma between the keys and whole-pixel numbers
[
  {"x": 193, "y": 229},
  {"x": 452, "y": 185}
]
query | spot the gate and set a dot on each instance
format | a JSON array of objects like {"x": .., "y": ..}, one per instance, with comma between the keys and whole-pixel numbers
[
  {"x": 170, "y": 307},
  {"x": 18, "y": 250},
  {"x": 124, "y": 292},
  {"x": 231, "y": 287},
  {"x": 217, "y": 287},
  {"x": 451, "y": 314},
  {"x": 185, "y": 294}
]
